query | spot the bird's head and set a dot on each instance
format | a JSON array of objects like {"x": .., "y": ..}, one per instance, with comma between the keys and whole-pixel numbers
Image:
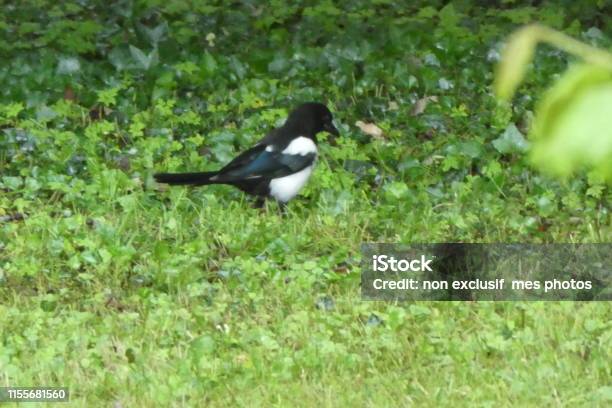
[{"x": 312, "y": 118}]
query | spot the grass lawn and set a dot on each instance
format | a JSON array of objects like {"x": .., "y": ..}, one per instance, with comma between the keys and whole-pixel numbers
[{"x": 133, "y": 294}]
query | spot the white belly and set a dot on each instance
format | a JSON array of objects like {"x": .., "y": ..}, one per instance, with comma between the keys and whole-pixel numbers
[{"x": 285, "y": 188}]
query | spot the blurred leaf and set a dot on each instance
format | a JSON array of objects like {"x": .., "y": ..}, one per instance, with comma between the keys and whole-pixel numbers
[
  {"x": 472, "y": 149},
  {"x": 120, "y": 57},
  {"x": 573, "y": 124},
  {"x": 209, "y": 62},
  {"x": 449, "y": 16},
  {"x": 603, "y": 394},
  {"x": 45, "y": 114},
  {"x": 516, "y": 56},
  {"x": 444, "y": 84},
  {"x": 11, "y": 183},
  {"x": 68, "y": 66},
  {"x": 396, "y": 189},
  {"x": 408, "y": 163},
  {"x": 427, "y": 12},
  {"x": 279, "y": 64}
]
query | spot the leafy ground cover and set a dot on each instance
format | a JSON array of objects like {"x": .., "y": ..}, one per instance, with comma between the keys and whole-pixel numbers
[{"x": 136, "y": 295}]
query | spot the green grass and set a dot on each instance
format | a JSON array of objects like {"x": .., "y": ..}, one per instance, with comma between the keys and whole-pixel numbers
[{"x": 131, "y": 293}]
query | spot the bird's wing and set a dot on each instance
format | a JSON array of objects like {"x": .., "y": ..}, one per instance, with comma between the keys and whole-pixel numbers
[
  {"x": 244, "y": 158},
  {"x": 258, "y": 162},
  {"x": 251, "y": 154}
]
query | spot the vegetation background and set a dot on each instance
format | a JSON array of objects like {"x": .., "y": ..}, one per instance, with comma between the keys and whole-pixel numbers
[{"x": 131, "y": 294}]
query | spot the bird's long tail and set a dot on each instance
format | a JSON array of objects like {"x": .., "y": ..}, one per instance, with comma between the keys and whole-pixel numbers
[{"x": 181, "y": 179}]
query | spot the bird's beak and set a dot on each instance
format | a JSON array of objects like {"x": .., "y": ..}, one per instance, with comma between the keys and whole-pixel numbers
[{"x": 330, "y": 128}]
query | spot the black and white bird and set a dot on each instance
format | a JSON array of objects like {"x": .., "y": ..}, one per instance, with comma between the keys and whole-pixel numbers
[{"x": 277, "y": 166}]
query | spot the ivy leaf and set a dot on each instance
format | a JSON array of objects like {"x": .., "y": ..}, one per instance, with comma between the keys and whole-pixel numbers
[
  {"x": 68, "y": 66},
  {"x": 427, "y": 12},
  {"x": 120, "y": 58},
  {"x": 396, "y": 190},
  {"x": 449, "y": 16},
  {"x": 45, "y": 114},
  {"x": 209, "y": 63},
  {"x": 11, "y": 183},
  {"x": 511, "y": 141},
  {"x": 278, "y": 64},
  {"x": 156, "y": 34},
  {"x": 139, "y": 56},
  {"x": 143, "y": 60}
]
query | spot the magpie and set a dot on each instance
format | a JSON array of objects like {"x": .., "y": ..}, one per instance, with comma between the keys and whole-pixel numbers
[{"x": 277, "y": 166}]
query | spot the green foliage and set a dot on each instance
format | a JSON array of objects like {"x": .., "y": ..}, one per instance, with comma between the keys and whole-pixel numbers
[
  {"x": 511, "y": 141},
  {"x": 134, "y": 294},
  {"x": 518, "y": 53},
  {"x": 573, "y": 123}
]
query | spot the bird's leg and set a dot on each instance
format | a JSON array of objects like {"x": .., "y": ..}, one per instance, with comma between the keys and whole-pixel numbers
[
  {"x": 260, "y": 202},
  {"x": 283, "y": 208}
]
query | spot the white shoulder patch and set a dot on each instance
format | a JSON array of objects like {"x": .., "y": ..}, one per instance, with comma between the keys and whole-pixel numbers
[
  {"x": 270, "y": 148},
  {"x": 302, "y": 146}
]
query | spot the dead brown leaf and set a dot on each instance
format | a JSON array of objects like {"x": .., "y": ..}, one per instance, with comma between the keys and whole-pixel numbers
[
  {"x": 421, "y": 104},
  {"x": 370, "y": 129}
]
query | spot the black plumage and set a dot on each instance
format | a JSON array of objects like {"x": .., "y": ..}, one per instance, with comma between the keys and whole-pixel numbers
[{"x": 278, "y": 165}]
